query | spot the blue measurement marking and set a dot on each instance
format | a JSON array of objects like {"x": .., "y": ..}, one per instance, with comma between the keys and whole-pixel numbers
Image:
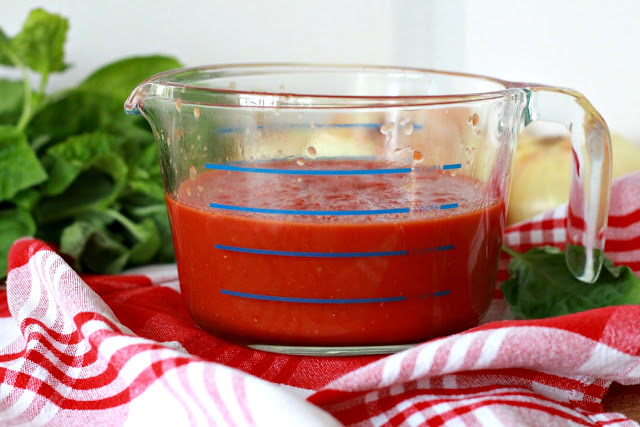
[
  {"x": 449, "y": 206},
  {"x": 452, "y": 166},
  {"x": 311, "y": 300},
  {"x": 309, "y": 254},
  {"x": 316, "y": 125},
  {"x": 445, "y": 248},
  {"x": 305, "y": 212},
  {"x": 232, "y": 130},
  {"x": 441, "y": 293},
  {"x": 351, "y": 125},
  {"x": 308, "y": 172}
]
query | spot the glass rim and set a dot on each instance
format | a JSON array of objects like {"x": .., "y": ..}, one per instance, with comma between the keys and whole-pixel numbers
[{"x": 167, "y": 80}]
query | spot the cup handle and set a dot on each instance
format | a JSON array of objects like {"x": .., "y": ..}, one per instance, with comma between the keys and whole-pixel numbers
[{"x": 590, "y": 175}]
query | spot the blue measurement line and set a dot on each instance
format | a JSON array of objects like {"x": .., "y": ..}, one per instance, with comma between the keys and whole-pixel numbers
[
  {"x": 452, "y": 166},
  {"x": 308, "y": 172},
  {"x": 316, "y": 125},
  {"x": 309, "y": 254},
  {"x": 441, "y": 293},
  {"x": 319, "y": 212},
  {"x": 305, "y": 212},
  {"x": 445, "y": 248},
  {"x": 350, "y": 125},
  {"x": 232, "y": 130},
  {"x": 312, "y": 300}
]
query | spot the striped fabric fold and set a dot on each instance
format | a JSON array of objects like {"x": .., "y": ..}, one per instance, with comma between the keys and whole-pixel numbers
[{"x": 115, "y": 350}]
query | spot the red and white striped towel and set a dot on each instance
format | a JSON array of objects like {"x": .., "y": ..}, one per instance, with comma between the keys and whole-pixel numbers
[{"x": 112, "y": 350}]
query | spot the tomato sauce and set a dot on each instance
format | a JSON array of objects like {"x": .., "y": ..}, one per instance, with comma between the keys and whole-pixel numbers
[{"x": 335, "y": 260}]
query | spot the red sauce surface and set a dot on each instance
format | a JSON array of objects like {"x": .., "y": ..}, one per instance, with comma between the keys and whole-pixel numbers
[{"x": 441, "y": 282}]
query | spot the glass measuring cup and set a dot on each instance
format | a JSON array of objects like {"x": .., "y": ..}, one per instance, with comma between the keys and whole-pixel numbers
[{"x": 353, "y": 209}]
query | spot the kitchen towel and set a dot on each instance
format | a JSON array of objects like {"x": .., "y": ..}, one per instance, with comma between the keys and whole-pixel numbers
[{"x": 121, "y": 349}]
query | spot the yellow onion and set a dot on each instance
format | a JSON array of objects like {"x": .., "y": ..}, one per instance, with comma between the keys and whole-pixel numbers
[{"x": 542, "y": 172}]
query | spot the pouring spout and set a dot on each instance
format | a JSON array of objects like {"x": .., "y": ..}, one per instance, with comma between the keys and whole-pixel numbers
[
  {"x": 132, "y": 105},
  {"x": 151, "y": 95}
]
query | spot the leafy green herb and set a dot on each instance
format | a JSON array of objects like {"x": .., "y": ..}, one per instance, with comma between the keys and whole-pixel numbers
[
  {"x": 14, "y": 223},
  {"x": 11, "y": 96},
  {"x": 6, "y": 52},
  {"x": 93, "y": 248},
  {"x": 66, "y": 160},
  {"x": 40, "y": 43},
  {"x": 74, "y": 169},
  {"x": 19, "y": 165},
  {"x": 119, "y": 78},
  {"x": 540, "y": 285}
]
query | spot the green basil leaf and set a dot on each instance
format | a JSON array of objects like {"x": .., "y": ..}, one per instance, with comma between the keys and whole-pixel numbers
[
  {"x": 120, "y": 78},
  {"x": 144, "y": 199},
  {"x": 93, "y": 248},
  {"x": 5, "y": 47},
  {"x": 82, "y": 111},
  {"x": 19, "y": 166},
  {"x": 66, "y": 160},
  {"x": 158, "y": 213},
  {"x": 143, "y": 192},
  {"x": 11, "y": 100},
  {"x": 71, "y": 113},
  {"x": 94, "y": 189},
  {"x": 26, "y": 199},
  {"x": 144, "y": 159},
  {"x": 14, "y": 223},
  {"x": 540, "y": 285},
  {"x": 40, "y": 42},
  {"x": 147, "y": 242}
]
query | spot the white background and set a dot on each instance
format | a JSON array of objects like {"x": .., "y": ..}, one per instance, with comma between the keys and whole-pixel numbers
[{"x": 589, "y": 45}]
